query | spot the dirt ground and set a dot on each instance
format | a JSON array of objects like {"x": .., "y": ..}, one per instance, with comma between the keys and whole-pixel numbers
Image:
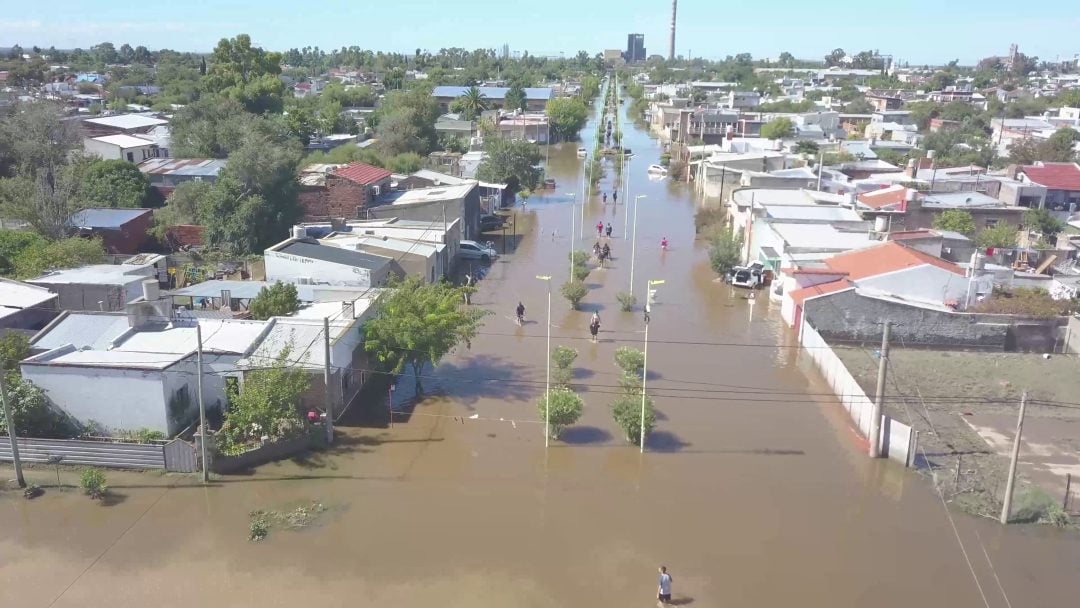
[{"x": 965, "y": 406}]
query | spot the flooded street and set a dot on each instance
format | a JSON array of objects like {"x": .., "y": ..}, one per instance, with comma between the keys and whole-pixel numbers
[{"x": 753, "y": 489}]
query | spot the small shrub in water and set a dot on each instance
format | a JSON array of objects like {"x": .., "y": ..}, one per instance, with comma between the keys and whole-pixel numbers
[
  {"x": 626, "y": 301},
  {"x": 92, "y": 482},
  {"x": 574, "y": 292}
]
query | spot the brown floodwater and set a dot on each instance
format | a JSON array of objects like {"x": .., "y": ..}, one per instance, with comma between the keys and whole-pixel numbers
[{"x": 753, "y": 489}]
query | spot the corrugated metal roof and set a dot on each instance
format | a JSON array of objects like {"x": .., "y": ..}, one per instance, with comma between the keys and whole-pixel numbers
[
  {"x": 219, "y": 335},
  {"x": 82, "y": 330},
  {"x": 111, "y": 219},
  {"x": 205, "y": 167},
  {"x": 336, "y": 255},
  {"x": 123, "y": 141},
  {"x": 18, "y": 295}
]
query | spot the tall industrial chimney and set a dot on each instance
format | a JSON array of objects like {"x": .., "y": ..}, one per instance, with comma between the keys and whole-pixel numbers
[{"x": 671, "y": 43}]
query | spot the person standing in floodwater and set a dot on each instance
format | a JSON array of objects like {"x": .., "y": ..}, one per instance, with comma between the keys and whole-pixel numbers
[
  {"x": 594, "y": 326},
  {"x": 599, "y": 229},
  {"x": 663, "y": 589},
  {"x": 614, "y": 196},
  {"x": 607, "y": 230}
]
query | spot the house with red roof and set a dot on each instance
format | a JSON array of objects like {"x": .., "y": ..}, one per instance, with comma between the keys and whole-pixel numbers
[
  {"x": 1062, "y": 182},
  {"x": 330, "y": 191},
  {"x": 890, "y": 270}
]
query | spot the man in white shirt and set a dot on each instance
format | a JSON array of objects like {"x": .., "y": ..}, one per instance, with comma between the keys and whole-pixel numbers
[{"x": 663, "y": 591}]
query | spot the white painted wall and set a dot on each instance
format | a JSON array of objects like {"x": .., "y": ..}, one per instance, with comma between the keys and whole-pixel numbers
[
  {"x": 290, "y": 268},
  {"x": 114, "y": 398},
  {"x": 109, "y": 151}
]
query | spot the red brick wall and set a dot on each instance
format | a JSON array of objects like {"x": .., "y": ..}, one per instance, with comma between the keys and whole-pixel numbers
[
  {"x": 339, "y": 198},
  {"x": 131, "y": 237}
]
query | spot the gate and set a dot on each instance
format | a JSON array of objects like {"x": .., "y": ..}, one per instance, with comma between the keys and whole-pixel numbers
[{"x": 180, "y": 457}]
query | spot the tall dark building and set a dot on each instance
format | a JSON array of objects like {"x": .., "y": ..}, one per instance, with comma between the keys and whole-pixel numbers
[{"x": 635, "y": 48}]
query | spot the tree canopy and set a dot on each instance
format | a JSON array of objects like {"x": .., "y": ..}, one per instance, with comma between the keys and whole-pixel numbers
[
  {"x": 418, "y": 324},
  {"x": 567, "y": 116},
  {"x": 278, "y": 300},
  {"x": 267, "y": 405},
  {"x": 247, "y": 74},
  {"x": 956, "y": 220},
  {"x": 778, "y": 128},
  {"x": 114, "y": 183},
  {"x": 510, "y": 161}
]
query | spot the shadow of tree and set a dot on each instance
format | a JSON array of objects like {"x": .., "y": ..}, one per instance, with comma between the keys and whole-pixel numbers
[
  {"x": 584, "y": 435},
  {"x": 664, "y": 441}
]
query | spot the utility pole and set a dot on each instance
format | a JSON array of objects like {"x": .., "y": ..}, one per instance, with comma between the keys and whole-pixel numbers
[
  {"x": 204, "y": 431},
  {"x": 879, "y": 396},
  {"x": 571, "y": 236},
  {"x": 633, "y": 243},
  {"x": 645, "y": 358},
  {"x": 547, "y": 381},
  {"x": 1006, "y": 505},
  {"x": 10, "y": 421},
  {"x": 328, "y": 400}
]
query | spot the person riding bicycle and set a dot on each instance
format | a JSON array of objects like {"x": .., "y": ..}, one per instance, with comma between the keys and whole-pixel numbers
[{"x": 520, "y": 313}]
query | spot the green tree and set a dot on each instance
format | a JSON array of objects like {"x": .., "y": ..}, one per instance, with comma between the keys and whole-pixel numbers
[
  {"x": 246, "y": 74},
  {"x": 563, "y": 359},
  {"x": 778, "y": 128},
  {"x": 565, "y": 409},
  {"x": 182, "y": 208},
  {"x": 1043, "y": 222},
  {"x": 567, "y": 116},
  {"x": 1059, "y": 147},
  {"x": 31, "y": 413},
  {"x": 626, "y": 411},
  {"x": 1024, "y": 152},
  {"x": 725, "y": 252},
  {"x": 13, "y": 349},
  {"x": 93, "y": 484},
  {"x": 956, "y": 220},
  {"x": 473, "y": 102},
  {"x": 510, "y": 161},
  {"x": 65, "y": 253},
  {"x": 574, "y": 292},
  {"x": 806, "y": 147},
  {"x": 113, "y": 183},
  {"x": 515, "y": 99},
  {"x": 278, "y": 300},
  {"x": 1002, "y": 235},
  {"x": 406, "y": 122},
  {"x": 418, "y": 324},
  {"x": 12, "y": 244},
  {"x": 268, "y": 405}
]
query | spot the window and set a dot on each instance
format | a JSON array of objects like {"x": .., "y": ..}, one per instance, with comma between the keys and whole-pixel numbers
[
  {"x": 131, "y": 157},
  {"x": 991, "y": 222}
]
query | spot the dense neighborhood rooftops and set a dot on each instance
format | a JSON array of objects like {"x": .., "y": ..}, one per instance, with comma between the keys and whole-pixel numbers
[
  {"x": 824, "y": 237},
  {"x": 336, "y": 255},
  {"x": 435, "y": 193},
  {"x": 127, "y": 121},
  {"x": 826, "y": 213},
  {"x": 247, "y": 290},
  {"x": 17, "y": 295},
  {"x": 1055, "y": 176},
  {"x": 123, "y": 141},
  {"x": 362, "y": 173},
  {"x": 964, "y": 200},
  {"x": 892, "y": 198},
  {"x": 768, "y": 197},
  {"x": 887, "y": 257},
  {"x": 497, "y": 93},
  {"x": 105, "y": 218}
]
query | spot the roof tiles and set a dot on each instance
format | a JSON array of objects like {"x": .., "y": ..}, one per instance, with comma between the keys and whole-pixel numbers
[
  {"x": 888, "y": 257},
  {"x": 362, "y": 174},
  {"x": 1055, "y": 176}
]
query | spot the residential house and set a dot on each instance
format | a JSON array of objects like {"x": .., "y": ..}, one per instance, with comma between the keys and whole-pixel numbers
[
  {"x": 25, "y": 307},
  {"x": 741, "y": 100},
  {"x": 340, "y": 191},
  {"x": 100, "y": 287},
  {"x": 941, "y": 124},
  {"x": 231, "y": 296},
  {"x": 492, "y": 195},
  {"x": 426, "y": 260},
  {"x": 453, "y": 125},
  {"x": 900, "y": 207},
  {"x": 854, "y": 287},
  {"x": 121, "y": 124},
  {"x": 530, "y": 127},
  {"x": 165, "y": 174},
  {"x": 536, "y": 98},
  {"x": 442, "y": 203},
  {"x": 1061, "y": 180},
  {"x": 143, "y": 360},
  {"x": 1007, "y": 131},
  {"x": 120, "y": 147},
  {"x": 120, "y": 230},
  {"x": 884, "y": 103},
  {"x": 306, "y": 261},
  {"x": 445, "y": 237}
]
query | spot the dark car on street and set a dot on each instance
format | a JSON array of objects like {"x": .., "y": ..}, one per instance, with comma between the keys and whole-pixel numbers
[{"x": 491, "y": 222}]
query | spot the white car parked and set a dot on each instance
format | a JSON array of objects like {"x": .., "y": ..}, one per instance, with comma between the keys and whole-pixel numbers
[{"x": 471, "y": 250}]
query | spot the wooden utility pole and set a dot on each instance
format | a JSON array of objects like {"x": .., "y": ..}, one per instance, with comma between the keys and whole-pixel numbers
[
  {"x": 10, "y": 421},
  {"x": 1006, "y": 505},
  {"x": 327, "y": 399},
  {"x": 879, "y": 396}
]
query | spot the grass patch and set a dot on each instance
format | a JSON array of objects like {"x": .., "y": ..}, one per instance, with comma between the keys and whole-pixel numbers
[{"x": 296, "y": 518}]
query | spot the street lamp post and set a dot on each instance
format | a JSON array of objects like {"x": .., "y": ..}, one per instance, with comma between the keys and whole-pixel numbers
[
  {"x": 645, "y": 360},
  {"x": 547, "y": 381},
  {"x": 633, "y": 243},
  {"x": 571, "y": 235},
  {"x": 584, "y": 195},
  {"x": 626, "y": 197}
]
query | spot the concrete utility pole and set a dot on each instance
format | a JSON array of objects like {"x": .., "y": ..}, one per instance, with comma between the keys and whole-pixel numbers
[
  {"x": 1006, "y": 505},
  {"x": 10, "y": 421},
  {"x": 547, "y": 381},
  {"x": 203, "y": 429},
  {"x": 327, "y": 399},
  {"x": 671, "y": 42},
  {"x": 879, "y": 396}
]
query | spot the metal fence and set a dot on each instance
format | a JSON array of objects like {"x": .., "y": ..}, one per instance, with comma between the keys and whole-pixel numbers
[{"x": 176, "y": 455}]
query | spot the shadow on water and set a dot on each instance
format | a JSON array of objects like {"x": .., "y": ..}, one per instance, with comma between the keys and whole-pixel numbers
[
  {"x": 664, "y": 441},
  {"x": 590, "y": 307},
  {"x": 585, "y": 435},
  {"x": 112, "y": 498},
  {"x": 479, "y": 377}
]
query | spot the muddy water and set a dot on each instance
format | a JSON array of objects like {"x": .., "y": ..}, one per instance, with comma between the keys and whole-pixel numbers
[{"x": 752, "y": 490}]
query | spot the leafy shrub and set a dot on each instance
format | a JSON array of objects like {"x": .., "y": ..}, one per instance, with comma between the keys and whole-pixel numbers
[
  {"x": 563, "y": 356},
  {"x": 1025, "y": 301},
  {"x": 626, "y": 301},
  {"x": 580, "y": 272},
  {"x": 259, "y": 527},
  {"x": 725, "y": 252},
  {"x": 1033, "y": 505},
  {"x": 578, "y": 258},
  {"x": 574, "y": 292},
  {"x": 626, "y": 410},
  {"x": 565, "y": 409},
  {"x": 630, "y": 360},
  {"x": 92, "y": 482},
  {"x": 708, "y": 219},
  {"x": 32, "y": 414}
]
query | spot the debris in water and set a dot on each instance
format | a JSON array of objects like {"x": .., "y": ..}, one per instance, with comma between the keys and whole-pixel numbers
[{"x": 292, "y": 519}]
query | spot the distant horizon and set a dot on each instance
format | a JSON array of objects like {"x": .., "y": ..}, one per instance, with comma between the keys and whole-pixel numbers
[{"x": 935, "y": 34}]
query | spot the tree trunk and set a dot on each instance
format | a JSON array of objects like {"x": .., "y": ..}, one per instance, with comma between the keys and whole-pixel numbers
[{"x": 417, "y": 368}]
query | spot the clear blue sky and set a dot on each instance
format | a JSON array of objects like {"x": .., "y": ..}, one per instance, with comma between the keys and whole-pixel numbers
[{"x": 920, "y": 31}]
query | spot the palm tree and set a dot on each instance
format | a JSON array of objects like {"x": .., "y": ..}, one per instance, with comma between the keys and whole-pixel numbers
[{"x": 473, "y": 102}]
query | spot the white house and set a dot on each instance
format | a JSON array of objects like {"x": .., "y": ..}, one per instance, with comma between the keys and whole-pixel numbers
[
  {"x": 121, "y": 147},
  {"x": 308, "y": 262}
]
